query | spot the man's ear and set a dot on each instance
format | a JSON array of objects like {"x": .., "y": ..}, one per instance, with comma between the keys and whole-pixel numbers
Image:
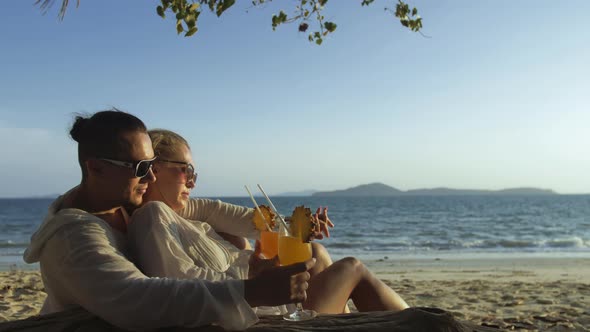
[{"x": 94, "y": 166}]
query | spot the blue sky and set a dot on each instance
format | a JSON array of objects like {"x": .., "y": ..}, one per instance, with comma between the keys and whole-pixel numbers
[{"x": 495, "y": 97}]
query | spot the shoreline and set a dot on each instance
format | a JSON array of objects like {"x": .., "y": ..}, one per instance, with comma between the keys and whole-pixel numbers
[
  {"x": 535, "y": 269},
  {"x": 408, "y": 260}
]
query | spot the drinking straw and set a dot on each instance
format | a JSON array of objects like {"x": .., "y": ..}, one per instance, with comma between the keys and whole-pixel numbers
[
  {"x": 258, "y": 209},
  {"x": 272, "y": 206}
]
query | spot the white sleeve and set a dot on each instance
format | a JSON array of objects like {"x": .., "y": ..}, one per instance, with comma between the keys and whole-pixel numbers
[
  {"x": 223, "y": 217},
  {"x": 82, "y": 266},
  {"x": 155, "y": 241}
]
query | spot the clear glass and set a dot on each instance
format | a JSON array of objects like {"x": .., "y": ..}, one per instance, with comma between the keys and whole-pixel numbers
[{"x": 291, "y": 251}]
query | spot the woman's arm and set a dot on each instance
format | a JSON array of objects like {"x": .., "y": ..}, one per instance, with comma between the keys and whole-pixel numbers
[{"x": 223, "y": 217}]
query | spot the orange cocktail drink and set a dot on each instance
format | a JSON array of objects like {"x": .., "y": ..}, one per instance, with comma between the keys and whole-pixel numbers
[
  {"x": 292, "y": 250},
  {"x": 269, "y": 244}
]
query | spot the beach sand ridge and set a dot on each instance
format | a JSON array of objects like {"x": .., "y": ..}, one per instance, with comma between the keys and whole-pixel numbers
[{"x": 551, "y": 294}]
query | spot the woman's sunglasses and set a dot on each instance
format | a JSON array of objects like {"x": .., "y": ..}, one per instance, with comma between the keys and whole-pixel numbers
[
  {"x": 142, "y": 167},
  {"x": 189, "y": 170}
]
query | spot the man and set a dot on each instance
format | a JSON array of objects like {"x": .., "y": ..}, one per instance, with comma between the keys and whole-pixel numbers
[{"x": 81, "y": 245}]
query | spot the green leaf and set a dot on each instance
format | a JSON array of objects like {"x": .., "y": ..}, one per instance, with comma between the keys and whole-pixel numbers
[
  {"x": 278, "y": 19},
  {"x": 179, "y": 28},
  {"x": 330, "y": 26},
  {"x": 282, "y": 16},
  {"x": 414, "y": 12},
  {"x": 190, "y": 22},
  {"x": 229, "y": 3},
  {"x": 224, "y": 5},
  {"x": 160, "y": 11},
  {"x": 191, "y": 32},
  {"x": 193, "y": 7},
  {"x": 318, "y": 41}
]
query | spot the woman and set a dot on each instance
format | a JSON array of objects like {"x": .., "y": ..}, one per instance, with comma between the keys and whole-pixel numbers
[{"x": 176, "y": 236}]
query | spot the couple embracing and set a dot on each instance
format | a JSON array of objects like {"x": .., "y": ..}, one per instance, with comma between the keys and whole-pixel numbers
[{"x": 129, "y": 245}]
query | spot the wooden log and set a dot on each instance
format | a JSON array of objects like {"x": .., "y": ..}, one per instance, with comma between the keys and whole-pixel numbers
[{"x": 413, "y": 319}]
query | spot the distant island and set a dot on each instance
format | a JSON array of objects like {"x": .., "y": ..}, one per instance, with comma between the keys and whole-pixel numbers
[
  {"x": 308, "y": 192},
  {"x": 380, "y": 189}
]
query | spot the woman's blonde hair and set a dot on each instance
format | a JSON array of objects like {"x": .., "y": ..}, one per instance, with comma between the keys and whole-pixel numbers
[{"x": 166, "y": 143}]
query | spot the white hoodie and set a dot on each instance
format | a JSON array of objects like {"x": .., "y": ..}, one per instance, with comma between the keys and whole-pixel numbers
[{"x": 83, "y": 263}]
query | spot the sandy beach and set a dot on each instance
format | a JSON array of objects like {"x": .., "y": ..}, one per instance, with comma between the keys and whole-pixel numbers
[{"x": 527, "y": 294}]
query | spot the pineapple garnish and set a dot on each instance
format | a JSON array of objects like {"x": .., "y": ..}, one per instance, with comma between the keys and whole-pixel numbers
[
  {"x": 303, "y": 224},
  {"x": 269, "y": 218}
]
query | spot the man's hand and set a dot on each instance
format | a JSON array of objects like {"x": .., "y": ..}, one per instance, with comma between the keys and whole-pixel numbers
[
  {"x": 257, "y": 262},
  {"x": 279, "y": 285}
]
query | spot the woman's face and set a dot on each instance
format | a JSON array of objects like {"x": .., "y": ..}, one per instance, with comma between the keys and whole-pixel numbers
[{"x": 175, "y": 179}]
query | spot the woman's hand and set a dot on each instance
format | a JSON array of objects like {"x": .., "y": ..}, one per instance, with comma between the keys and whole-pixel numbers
[
  {"x": 258, "y": 263},
  {"x": 324, "y": 222}
]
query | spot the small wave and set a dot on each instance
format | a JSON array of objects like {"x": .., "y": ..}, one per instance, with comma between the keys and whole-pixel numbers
[
  {"x": 563, "y": 243},
  {"x": 516, "y": 243},
  {"x": 380, "y": 244},
  {"x": 573, "y": 242},
  {"x": 344, "y": 245},
  {"x": 12, "y": 253},
  {"x": 11, "y": 244},
  {"x": 353, "y": 235}
]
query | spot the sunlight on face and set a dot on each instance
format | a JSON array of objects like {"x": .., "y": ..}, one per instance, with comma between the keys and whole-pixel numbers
[
  {"x": 172, "y": 186},
  {"x": 120, "y": 183}
]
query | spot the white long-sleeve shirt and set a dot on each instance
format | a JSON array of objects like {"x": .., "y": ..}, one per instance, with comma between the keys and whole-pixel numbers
[
  {"x": 223, "y": 217},
  {"x": 164, "y": 244},
  {"x": 185, "y": 245},
  {"x": 83, "y": 263}
]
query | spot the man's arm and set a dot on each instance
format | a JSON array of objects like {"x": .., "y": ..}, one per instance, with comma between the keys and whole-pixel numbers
[{"x": 83, "y": 266}]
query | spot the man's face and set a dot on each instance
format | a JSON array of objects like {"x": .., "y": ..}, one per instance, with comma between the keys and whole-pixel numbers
[{"x": 120, "y": 183}]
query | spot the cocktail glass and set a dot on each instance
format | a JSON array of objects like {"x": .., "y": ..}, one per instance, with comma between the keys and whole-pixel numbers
[{"x": 291, "y": 251}]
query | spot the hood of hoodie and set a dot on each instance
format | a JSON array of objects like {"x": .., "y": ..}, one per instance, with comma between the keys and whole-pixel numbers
[{"x": 54, "y": 220}]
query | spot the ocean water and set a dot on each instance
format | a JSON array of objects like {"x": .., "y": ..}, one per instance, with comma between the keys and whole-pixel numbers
[{"x": 376, "y": 227}]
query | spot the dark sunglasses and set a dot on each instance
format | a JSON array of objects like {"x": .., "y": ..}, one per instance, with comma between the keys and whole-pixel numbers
[
  {"x": 142, "y": 167},
  {"x": 189, "y": 172}
]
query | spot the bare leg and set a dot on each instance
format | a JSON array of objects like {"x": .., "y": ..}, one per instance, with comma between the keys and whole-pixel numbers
[
  {"x": 349, "y": 278},
  {"x": 323, "y": 259}
]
